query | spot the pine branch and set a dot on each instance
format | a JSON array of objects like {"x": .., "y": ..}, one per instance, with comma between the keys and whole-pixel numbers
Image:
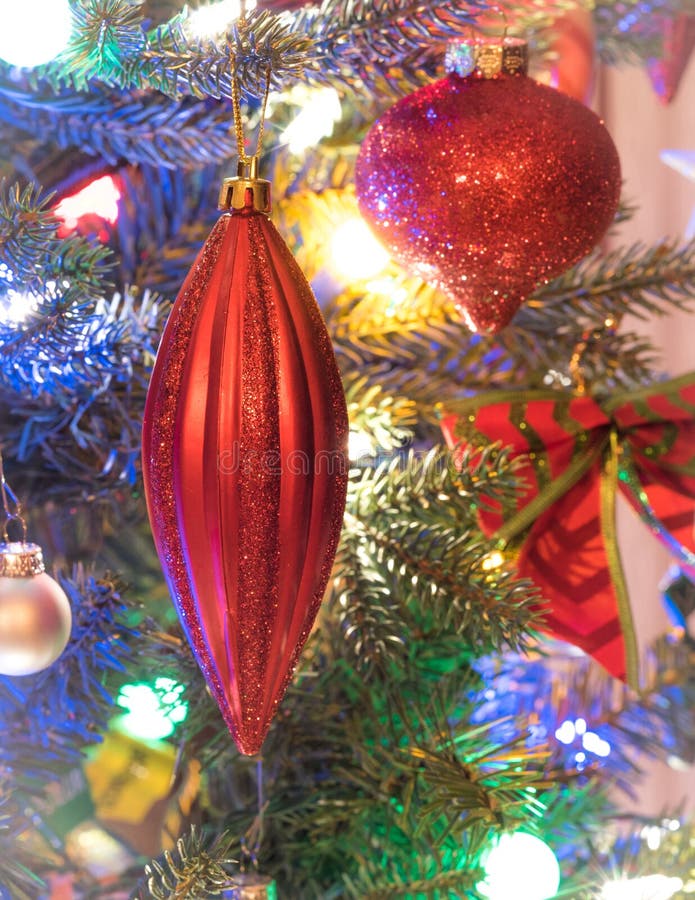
[
  {"x": 643, "y": 281},
  {"x": 371, "y": 622},
  {"x": 112, "y": 46},
  {"x": 431, "y": 886},
  {"x": 382, "y": 420},
  {"x": 76, "y": 350},
  {"x": 136, "y": 126},
  {"x": 403, "y": 40},
  {"x": 27, "y": 226},
  {"x": 194, "y": 869},
  {"x": 417, "y": 524}
]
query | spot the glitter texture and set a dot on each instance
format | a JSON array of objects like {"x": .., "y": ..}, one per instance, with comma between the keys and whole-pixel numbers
[
  {"x": 487, "y": 188},
  {"x": 244, "y": 456}
]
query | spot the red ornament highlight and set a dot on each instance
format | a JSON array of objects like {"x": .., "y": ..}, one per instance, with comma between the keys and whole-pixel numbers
[
  {"x": 488, "y": 186},
  {"x": 244, "y": 458}
]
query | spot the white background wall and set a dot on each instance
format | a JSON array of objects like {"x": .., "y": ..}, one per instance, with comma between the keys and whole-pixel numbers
[{"x": 641, "y": 127}]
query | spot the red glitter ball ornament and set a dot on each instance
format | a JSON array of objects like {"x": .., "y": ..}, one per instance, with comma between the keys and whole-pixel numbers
[
  {"x": 486, "y": 183},
  {"x": 244, "y": 458}
]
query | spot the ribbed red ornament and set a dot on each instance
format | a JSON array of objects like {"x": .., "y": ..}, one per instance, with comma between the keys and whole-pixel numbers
[
  {"x": 245, "y": 468},
  {"x": 487, "y": 183}
]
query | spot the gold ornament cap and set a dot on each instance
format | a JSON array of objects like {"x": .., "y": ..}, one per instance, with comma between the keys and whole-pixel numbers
[
  {"x": 19, "y": 559},
  {"x": 246, "y": 190},
  {"x": 487, "y": 57},
  {"x": 251, "y": 886}
]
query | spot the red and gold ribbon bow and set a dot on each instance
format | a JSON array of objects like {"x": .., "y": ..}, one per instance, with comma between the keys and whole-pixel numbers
[{"x": 575, "y": 454}]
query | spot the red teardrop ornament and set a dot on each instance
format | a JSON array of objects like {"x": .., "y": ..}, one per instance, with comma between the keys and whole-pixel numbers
[
  {"x": 488, "y": 186},
  {"x": 244, "y": 462}
]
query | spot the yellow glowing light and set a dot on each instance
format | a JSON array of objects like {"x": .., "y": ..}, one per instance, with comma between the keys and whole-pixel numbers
[
  {"x": 494, "y": 560},
  {"x": 650, "y": 887},
  {"x": 360, "y": 445},
  {"x": 356, "y": 253},
  {"x": 315, "y": 121},
  {"x": 215, "y": 19}
]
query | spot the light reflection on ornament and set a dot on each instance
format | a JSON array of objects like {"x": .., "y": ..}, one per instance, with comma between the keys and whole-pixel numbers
[
  {"x": 650, "y": 887},
  {"x": 315, "y": 121},
  {"x": 520, "y": 866},
  {"x": 34, "y": 31},
  {"x": 100, "y": 198},
  {"x": 215, "y": 18},
  {"x": 356, "y": 253}
]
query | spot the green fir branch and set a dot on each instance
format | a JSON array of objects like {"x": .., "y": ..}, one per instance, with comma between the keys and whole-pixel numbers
[
  {"x": 644, "y": 281},
  {"x": 404, "y": 40},
  {"x": 27, "y": 226},
  {"x": 417, "y": 522},
  {"x": 106, "y": 33},
  {"x": 111, "y": 46},
  {"x": 431, "y": 886},
  {"x": 371, "y": 622},
  {"x": 139, "y": 127},
  {"x": 196, "y": 868}
]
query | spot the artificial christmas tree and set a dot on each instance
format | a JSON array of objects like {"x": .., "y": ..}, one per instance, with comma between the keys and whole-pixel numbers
[{"x": 430, "y": 731}]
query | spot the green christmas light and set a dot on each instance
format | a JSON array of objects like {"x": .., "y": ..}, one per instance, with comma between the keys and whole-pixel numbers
[{"x": 153, "y": 711}]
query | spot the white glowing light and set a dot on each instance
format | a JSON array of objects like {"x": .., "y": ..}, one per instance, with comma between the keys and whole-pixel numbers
[
  {"x": 595, "y": 744},
  {"x": 215, "y": 19},
  {"x": 651, "y": 834},
  {"x": 315, "y": 121},
  {"x": 386, "y": 287},
  {"x": 98, "y": 198},
  {"x": 520, "y": 866},
  {"x": 566, "y": 733},
  {"x": 33, "y": 32},
  {"x": 650, "y": 887},
  {"x": 16, "y": 306},
  {"x": 360, "y": 445},
  {"x": 356, "y": 253}
]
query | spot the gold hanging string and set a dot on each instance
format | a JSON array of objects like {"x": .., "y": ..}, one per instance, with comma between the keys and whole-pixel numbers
[
  {"x": 485, "y": 25},
  {"x": 11, "y": 507},
  {"x": 576, "y": 364},
  {"x": 244, "y": 159}
]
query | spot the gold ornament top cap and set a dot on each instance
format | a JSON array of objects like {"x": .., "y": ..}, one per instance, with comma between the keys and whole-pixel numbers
[
  {"x": 487, "y": 57},
  {"x": 246, "y": 190},
  {"x": 19, "y": 559}
]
